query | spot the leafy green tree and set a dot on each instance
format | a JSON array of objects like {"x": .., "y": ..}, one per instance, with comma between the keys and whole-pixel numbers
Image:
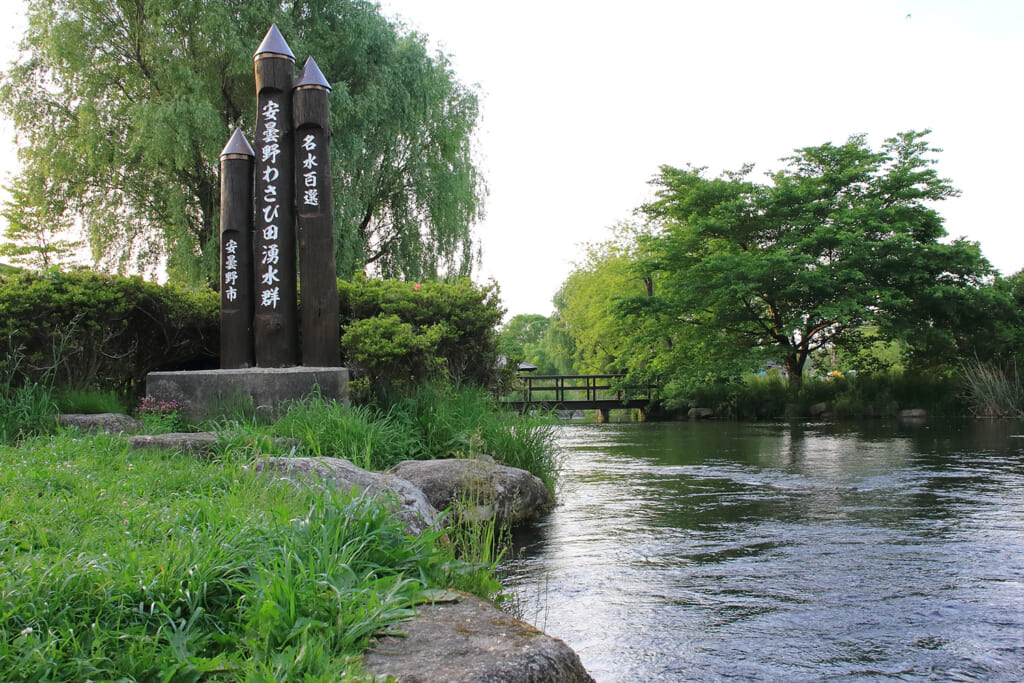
[
  {"x": 841, "y": 238},
  {"x": 522, "y": 331},
  {"x": 123, "y": 107},
  {"x": 595, "y": 302},
  {"x": 520, "y": 339},
  {"x": 31, "y": 238},
  {"x": 554, "y": 351}
]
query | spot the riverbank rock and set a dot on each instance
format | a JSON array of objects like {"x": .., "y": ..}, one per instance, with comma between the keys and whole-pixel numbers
[
  {"x": 913, "y": 416},
  {"x": 469, "y": 640},
  {"x": 485, "y": 489},
  {"x": 817, "y": 409},
  {"x": 191, "y": 443},
  {"x": 409, "y": 503},
  {"x": 699, "y": 413},
  {"x": 107, "y": 423}
]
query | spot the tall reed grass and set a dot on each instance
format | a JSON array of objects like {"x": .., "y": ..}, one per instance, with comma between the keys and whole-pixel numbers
[
  {"x": 992, "y": 391},
  {"x": 27, "y": 407}
]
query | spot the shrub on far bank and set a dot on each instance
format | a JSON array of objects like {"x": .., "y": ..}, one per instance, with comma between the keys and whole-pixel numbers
[
  {"x": 769, "y": 397},
  {"x": 993, "y": 391}
]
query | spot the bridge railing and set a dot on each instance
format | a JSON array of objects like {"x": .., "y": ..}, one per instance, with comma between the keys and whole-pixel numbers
[{"x": 576, "y": 388}]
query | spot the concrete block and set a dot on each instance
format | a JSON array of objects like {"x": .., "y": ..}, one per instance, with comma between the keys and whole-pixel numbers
[{"x": 205, "y": 394}]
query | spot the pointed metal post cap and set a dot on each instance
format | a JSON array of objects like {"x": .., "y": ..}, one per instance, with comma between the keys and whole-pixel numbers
[
  {"x": 238, "y": 145},
  {"x": 274, "y": 44},
  {"x": 311, "y": 76}
]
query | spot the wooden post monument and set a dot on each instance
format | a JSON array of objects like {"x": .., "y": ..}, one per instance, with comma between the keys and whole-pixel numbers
[{"x": 288, "y": 175}]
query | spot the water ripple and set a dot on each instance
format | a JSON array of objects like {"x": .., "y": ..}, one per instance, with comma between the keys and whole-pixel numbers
[{"x": 780, "y": 552}]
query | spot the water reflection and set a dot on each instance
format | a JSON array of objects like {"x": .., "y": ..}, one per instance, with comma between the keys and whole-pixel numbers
[{"x": 705, "y": 551}]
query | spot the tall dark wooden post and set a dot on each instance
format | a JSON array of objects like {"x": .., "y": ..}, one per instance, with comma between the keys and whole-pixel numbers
[
  {"x": 275, "y": 321},
  {"x": 315, "y": 216},
  {"x": 236, "y": 285}
]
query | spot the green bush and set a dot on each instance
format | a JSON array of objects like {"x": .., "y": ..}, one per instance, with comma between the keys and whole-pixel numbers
[
  {"x": 110, "y": 330},
  {"x": 114, "y": 330},
  {"x": 993, "y": 391},
  {"x": 402, "y": 334}
]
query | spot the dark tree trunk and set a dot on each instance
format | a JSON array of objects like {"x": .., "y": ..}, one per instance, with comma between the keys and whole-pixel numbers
[{"x": 795, "y": 368}]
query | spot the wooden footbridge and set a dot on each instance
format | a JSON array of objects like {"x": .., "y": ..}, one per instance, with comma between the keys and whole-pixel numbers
[{"x": 602, "y": 393}]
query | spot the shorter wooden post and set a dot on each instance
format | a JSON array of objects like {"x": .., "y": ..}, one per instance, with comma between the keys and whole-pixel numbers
[
  {"x": 236, "y": 285},
  {"x": 318, "y": 280}
]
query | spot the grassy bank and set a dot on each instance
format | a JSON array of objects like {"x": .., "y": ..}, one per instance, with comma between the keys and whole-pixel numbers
[
  {"x": 118, "y": 564},
  {"x": 136, "y": 565},
  {"x": 948, "y": 393}
]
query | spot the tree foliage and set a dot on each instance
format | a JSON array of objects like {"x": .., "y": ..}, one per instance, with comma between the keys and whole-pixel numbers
[
  {"x": 123, "y": 107},
  {"x": 841, "y": 238},
  {"x": 31, "y": 237}
]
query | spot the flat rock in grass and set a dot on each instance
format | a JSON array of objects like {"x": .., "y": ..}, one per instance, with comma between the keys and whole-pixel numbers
[
  {"x": 411, "y": 506},
  {"x": 484, "y": 488},
  {"x": 470, "y": 640},
  {"x": 107, "y": 423},
  {"x": 191, "y": 443}
]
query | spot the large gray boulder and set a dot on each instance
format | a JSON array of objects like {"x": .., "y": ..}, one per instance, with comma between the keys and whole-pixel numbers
[
  {"x": 469, "y": 640},
  {"x": 409, "y": 503},
  {"x": 482, "y": 488},
  {"x": 108, "y": 423}
]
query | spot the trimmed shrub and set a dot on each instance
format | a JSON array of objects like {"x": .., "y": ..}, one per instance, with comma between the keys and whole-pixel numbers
[
  {"x": 104, "y": 331},
  {"x": 401, "y": 334}
]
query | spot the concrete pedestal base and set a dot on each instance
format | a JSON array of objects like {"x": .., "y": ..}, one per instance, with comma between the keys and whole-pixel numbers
[{"x": 206, "y": 394}]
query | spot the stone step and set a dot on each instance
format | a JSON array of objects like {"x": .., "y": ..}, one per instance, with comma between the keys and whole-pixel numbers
[{"x": 468, "y": 639}]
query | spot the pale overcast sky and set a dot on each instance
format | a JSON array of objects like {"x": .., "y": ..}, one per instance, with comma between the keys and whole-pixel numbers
[{"x": 583, "y": 100}]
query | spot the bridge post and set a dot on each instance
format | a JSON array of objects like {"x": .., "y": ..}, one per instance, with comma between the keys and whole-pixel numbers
[{"x": 603, "y": 415}]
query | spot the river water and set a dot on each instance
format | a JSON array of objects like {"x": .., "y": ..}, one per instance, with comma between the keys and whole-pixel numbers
[{"x": 712, "y": 551}]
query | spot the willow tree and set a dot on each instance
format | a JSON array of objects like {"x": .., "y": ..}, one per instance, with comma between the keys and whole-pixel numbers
[{"x": 122, "y": 106}]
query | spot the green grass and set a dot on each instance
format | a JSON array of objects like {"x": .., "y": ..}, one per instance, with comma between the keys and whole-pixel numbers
[
  {"x": 26, "y": 408},
  {"x": 434, "y": 422},
  {"x": 360, "y": 434},
  {"x": 138, "y": 565},
  {"x": 467, "y": 421},
  {"x": 89, "y": 401}
]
